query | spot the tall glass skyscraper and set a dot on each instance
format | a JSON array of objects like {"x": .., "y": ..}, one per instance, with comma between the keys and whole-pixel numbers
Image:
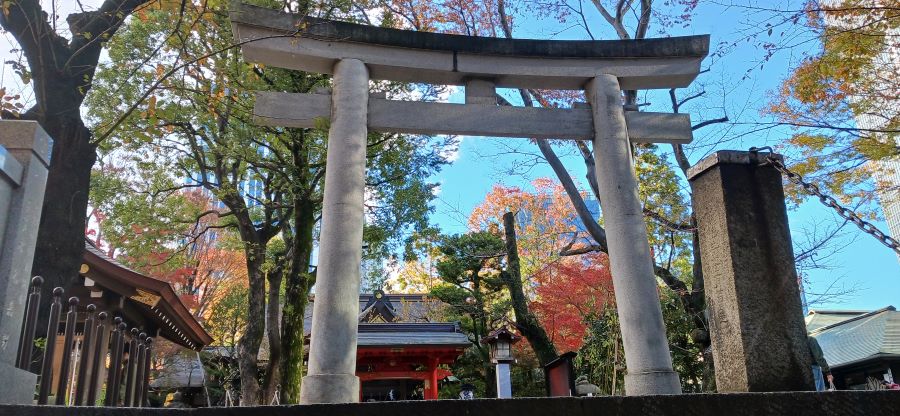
[
  {"x": 886, "y": 74},
  {"x": 886, "y": 172}
]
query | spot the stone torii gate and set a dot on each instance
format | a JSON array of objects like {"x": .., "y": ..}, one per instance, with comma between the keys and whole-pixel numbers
[{"x": 354, "y": 54}]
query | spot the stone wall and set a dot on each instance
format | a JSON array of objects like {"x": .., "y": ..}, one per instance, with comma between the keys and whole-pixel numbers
[{"x": 750, "y": 404}]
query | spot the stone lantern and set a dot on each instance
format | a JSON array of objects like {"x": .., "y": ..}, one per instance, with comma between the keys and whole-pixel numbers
[{"x": 500, "y": 342}]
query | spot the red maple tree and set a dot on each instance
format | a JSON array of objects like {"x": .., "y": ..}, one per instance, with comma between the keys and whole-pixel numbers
[{"x": 571, "y": 292}]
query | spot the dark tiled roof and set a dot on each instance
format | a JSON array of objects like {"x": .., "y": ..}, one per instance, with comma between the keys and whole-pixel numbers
[
  {"x": 409, "y": 327},
  {"x": 411, "y": 334},
  {"x": 412, "y": 307},
  {"x": 819, "y": 318},
  {"x": 857, "y": 337},
  {"x": 387, "y": 339},
  {"x": 379, "y": 307}
]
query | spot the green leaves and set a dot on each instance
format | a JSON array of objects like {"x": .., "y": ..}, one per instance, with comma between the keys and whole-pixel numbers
[
  {"x": 199, "y": 121},
  {"x": 467, "y": 257},
  {"x": 841, "y": 102}
]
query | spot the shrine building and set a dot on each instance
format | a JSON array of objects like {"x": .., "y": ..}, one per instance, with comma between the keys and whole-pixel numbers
[{"x": 401, "y": 353}]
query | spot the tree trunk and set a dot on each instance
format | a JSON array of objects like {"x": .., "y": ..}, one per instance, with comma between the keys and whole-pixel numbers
[
  {"x": 60, "y": 243},
  {"x": 526, "y": 322},
  {"x": 273, "y": 332},
  {"x": 296, "y": 296},
  {"x": 292, "y": 343},
  {"x": 248, "y": 346},
  {"x": 62, "y": 71}
]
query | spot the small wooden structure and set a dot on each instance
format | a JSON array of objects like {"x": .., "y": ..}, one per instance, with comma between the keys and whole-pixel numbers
[
  {"x": 500, "y": 342},
  {"x": 390, "y": 354},
  {"x": 100, "y": 352},
  {"x": 142, "y": 300},
  {"x": 559, "y": 376}
]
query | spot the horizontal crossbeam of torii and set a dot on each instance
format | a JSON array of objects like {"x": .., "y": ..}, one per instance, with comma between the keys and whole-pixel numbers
[
  {"x": 430, "y": 118},
  {"x": 355, "y": 54}
]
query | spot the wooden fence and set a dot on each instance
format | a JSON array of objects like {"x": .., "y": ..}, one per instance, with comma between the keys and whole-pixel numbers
[{"x": 101, "y": 347}]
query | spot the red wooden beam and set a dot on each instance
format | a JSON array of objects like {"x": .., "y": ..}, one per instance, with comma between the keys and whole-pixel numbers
[{"x": 388, "y": 375}]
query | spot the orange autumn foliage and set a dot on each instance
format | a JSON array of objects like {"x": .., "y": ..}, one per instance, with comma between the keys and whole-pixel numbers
[
  {"x": 546, "y": 219},
  {"x": 464, "y": 17},
  {"x": 566, "y": 291}
]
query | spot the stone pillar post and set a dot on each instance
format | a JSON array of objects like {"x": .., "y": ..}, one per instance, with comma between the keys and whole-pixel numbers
[
  {"x": 504, "y": 380},
  {"x": 24, "y": 158},
  {"x": 752, "y": 291},
  {"x": 649, "y": 366},
  {"x": 332, "y": 354}
]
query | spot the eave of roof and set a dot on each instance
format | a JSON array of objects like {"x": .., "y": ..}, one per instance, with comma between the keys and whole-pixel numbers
[
  {"x": 182, "y": 316},
  {"x": 852, "y": 319},
  {"x": 870, "y": 336},
  {"x": 866, "y": 360},
  {"x": 429, "y": 334},
  {"x": 417, "y": 339},
  {"x": 839, "y": 311},
  {"x": 447, "y": 327}
]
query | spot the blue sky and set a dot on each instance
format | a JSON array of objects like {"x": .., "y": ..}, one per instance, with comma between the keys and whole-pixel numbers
[{"x": 737, "y": 84}]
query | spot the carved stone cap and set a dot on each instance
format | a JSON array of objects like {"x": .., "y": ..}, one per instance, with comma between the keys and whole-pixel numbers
[
  {"x": 730, "y": 157},
  {"x": 21, "y": 136}
]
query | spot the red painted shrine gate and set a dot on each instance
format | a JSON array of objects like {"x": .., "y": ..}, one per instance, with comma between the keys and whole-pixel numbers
[{"x": 400, "y": 354}]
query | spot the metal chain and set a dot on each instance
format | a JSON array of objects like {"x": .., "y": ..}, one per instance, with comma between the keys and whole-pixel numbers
[{"x": 828, "y": 200}]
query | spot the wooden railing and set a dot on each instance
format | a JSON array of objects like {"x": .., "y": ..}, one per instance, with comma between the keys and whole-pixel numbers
[{"x": 100, "y": 348}]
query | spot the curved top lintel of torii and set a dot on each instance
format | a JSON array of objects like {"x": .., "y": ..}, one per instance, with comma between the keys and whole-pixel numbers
[{"x": 284, "y": 40}]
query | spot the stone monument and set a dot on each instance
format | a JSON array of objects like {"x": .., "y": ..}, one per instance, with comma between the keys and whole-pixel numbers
[{"x": 752, "y": 291}]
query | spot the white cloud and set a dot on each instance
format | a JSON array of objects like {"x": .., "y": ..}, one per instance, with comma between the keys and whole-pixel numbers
[{"x": 452, "y": 154}]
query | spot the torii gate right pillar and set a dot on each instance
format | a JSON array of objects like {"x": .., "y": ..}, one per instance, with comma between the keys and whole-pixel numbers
[{"x": 649, "y": 365}]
